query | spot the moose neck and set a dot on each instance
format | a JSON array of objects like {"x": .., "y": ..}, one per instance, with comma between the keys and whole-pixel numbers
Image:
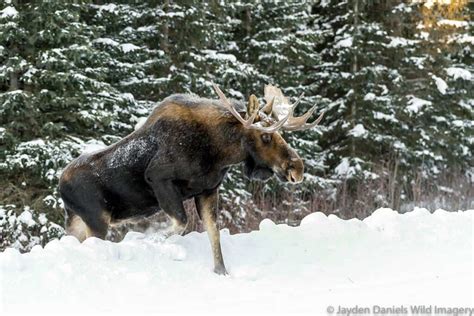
[{"x": 232, "y": 136}]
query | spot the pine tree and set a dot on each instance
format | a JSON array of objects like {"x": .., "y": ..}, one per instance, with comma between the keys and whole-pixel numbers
[
  {"x": 394, "y": 77},
  {"x": 440, "y": 136},
  {"x": 57, "y": 100},
  {"x": 278, "y": 42},
  {"x": 129, "y": 37},
  {"x": 387, "y": 79}
]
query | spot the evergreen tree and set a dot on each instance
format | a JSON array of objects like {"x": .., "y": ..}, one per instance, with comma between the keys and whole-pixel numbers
[
  {"x": 280, "y": 44},
  {"x": 394, "y": 78},
  {"x": 128, "y": 35},
  {"x": 58, "y": 98},
  {"x": 385, "y": 74}
]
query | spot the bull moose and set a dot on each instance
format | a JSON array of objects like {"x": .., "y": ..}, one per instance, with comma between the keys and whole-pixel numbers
[{"x": 182, "y": 151}]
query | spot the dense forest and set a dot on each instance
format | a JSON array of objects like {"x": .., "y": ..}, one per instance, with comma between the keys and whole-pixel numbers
[{"x": 395, "y": 79}]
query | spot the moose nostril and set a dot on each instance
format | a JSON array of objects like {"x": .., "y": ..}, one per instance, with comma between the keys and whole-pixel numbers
[
  {"x": 291, "y": 176},
  {"x": 294, "y": 176}
]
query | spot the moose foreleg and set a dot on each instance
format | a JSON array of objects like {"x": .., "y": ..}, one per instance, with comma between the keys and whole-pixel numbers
[
  {"x": 167, "y": 194},
  {"x": 207, "y": 207},
  {"x": 171, "y": 203}
]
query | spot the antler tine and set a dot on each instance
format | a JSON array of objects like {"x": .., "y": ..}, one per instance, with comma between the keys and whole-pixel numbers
[
  {"x": 303, "y": 118},
  {"x": 299, "y": 123},
  {"x": 280, "y": 123},
  {"x": 302, "y": 125},
  {"x": 230, "y": 107},
  {"x": 268, "y": 108},
  {"x": 275, "y": 127},
  {"x": 281, "y": 100},
  {"x": 292, "y": 123},
  {"x": 298, "y": 100}
]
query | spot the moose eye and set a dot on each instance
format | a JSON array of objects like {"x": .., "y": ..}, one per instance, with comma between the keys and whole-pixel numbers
[{"x": 266, "y": 138}]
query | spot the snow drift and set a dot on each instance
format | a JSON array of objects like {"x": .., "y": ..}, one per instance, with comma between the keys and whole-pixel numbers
[{"x": 386, "y": 259}]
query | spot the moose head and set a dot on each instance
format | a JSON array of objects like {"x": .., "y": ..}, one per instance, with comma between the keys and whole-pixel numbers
[{"x": 267, "y": 153}]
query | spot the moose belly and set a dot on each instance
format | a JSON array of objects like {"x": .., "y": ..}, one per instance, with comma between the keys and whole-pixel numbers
[
  {"x": 188, "y": 191},
  {"x": 130, "y": 202},
  {"x": 193, "y": 187}
]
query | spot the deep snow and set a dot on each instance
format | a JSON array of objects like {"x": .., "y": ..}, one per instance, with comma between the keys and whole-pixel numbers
[{"x": 387, "y": 259}]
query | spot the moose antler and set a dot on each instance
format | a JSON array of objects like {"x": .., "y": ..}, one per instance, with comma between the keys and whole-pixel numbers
[
  {"x": 273, "y": 94},
  {"x": 249, "y": 122}
]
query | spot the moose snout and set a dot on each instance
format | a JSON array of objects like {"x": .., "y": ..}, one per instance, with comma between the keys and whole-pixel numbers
[
  {"x": 295, "y": 176},
  {"x": 295, "y": 170}
]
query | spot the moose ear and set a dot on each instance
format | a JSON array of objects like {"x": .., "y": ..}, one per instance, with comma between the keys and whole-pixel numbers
[{"x": 253, "y": 106}]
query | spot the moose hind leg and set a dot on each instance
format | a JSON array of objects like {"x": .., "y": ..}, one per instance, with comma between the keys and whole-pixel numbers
[
  {"x": 207, "y": 207},
  {"x": 87, "y": 221},
  {"x": 171, "y": 202},
  {"x": 99, "y": 225},
  {"x": 83, "y": 229},
  {"x": 86, "y": 213},
  {"x": 178, "y": 226},
  {"x": 75, "y": 226}
]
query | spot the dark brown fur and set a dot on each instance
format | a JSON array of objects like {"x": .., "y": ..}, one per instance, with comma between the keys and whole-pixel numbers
[{"x": 183, "y": 151}]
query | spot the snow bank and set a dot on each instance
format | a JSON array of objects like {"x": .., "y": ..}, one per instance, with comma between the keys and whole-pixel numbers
[{"x": 387, "y": 259}]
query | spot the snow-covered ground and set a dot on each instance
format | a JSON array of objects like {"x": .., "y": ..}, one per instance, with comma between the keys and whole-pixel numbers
[{"x": 388, "y": 259}]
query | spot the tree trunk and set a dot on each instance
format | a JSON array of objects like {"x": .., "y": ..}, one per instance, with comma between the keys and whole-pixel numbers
[
  {"x": 354, "y": 71},
  {"x": 14, "y": 76},
  {"x": 13, "y": 81},
  {"x": 164, "y": 44},
  {"x": 248, "y": 21},
  {"x": 393, "y": 183}
]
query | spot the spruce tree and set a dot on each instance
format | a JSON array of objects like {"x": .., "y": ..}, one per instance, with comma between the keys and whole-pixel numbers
[
  {"x": 56, "y": 102},
  {"x": 391, "y": 109}
]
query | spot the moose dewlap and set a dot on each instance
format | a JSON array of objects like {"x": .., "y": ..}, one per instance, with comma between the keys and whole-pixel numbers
[{"x": 182, "y": 151}]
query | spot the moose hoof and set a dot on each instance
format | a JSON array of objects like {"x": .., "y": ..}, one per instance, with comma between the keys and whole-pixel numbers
[{"x": 220, "y": 270}]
